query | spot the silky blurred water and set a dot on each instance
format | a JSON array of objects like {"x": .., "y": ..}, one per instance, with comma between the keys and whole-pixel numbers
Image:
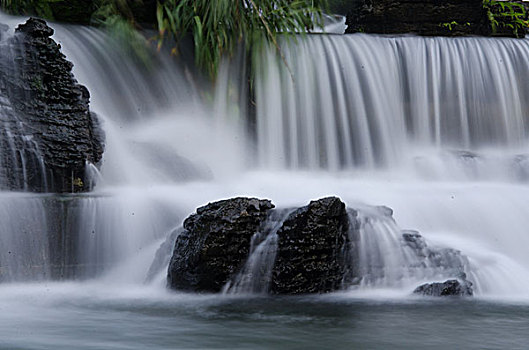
[
  {"x": 434, "y": 128},
  {"x": 66, "y": 316}
]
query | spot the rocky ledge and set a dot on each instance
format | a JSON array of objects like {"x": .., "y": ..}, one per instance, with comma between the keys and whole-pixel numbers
[
  {"x": 47, "y": 132},
  {"x": 430, "y": 17},
  {"x": 244, "y": 245}
]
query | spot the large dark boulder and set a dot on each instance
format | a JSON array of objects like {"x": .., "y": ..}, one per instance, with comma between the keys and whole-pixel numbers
[
  {"x": 425, "y": 17},
  {"x": 215, "y": 243},
  {"x": 448, "y": 288},
  {"x": 311, "y": 249},
  {"x": 47, "y": 133}
]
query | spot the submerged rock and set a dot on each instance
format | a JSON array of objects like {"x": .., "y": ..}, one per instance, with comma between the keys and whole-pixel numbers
[
  {"x": 215, "y": 243},
  {"x": 47, "y": 132},
  {"x": 448, "y": 288},
  {"x": 311, "y": 249}
]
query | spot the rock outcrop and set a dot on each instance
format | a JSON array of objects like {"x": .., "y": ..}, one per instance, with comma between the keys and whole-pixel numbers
[
  {"x": 47, "y": 132},
  {"x": 215, "y": 243},
  {"x": 424, "y": 17},
  {"x": 312, "y": 248},
  {"x": 448, "y": 288}
]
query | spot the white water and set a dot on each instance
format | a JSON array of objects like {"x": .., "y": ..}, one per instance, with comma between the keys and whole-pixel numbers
[{"x": 340, "y": 126}]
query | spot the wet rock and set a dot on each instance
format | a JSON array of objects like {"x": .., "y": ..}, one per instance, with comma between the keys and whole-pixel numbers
[
  {"x": 215, "y": 243},
  {"x": 36, "y": 28},
  {"x": 317, "y": 249},
  {"x": 311, "y": 249},
  {"x": 452, "y": 287},
  {"x": 47, "y": 133}
]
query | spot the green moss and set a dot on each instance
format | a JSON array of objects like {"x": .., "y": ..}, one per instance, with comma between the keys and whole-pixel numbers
[{"x": 507, "y": 16}]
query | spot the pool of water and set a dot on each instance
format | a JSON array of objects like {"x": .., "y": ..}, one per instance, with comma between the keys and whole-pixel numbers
[{"x": 94, "y": 316}]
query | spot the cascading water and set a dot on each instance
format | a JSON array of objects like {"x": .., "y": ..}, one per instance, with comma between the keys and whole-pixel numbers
[
  {"x": 256, "y": 274},
  {"x": 21, "y": 161},
  {"x": 370, "y": 102},
  {"x": 432, "y": 128},
  {"x": 416, "y": 124}
]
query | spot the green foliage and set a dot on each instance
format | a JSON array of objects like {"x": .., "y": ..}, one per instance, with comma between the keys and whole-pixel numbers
[
  {"x": 117, "y": 18},
  {"x": 506, "y": 14},
  {"x": 107, "y": 10},
  {"x": 452, "y": 25},
  {"x": 39, "y": 8},
  {"x": 219, "y": 27}
]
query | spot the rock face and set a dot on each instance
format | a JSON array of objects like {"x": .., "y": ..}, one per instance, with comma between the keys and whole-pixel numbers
[
  {"x": 47, "y": 131},
  {"x": 215, "y": 243},
  {"x": 448, "y": 288},
  {"x": 311, "y": 249},
  {"x": 425, "y": 17}
]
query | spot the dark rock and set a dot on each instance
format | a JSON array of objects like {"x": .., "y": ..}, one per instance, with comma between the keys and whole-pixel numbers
[
  {"x": 425, "y": 17},
  {"x": 47, "y": 131},
  {"x": 36, "y": 28},
  {"x": 311, "y": 249},
  {"x": 215, "y": 243},
  {"x": 448, "y": 288}
]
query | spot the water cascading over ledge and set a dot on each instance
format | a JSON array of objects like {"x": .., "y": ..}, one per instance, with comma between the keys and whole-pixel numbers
[
  {"x": 142, "y": 196},
  {"x": 360, "y": 101},
  {"x": 49, "y": 140}
]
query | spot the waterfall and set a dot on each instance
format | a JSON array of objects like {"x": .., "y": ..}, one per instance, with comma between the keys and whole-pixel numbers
[
  {"x": 369, "y": 102},
  {"x": 256, "y": 274},
  {"x": 434, "y": 128}
]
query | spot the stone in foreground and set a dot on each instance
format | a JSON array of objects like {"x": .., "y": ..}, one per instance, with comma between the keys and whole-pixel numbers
[
  {"x": 447, "y": 288},
  {"x": 312, "y": 246},
  {"x": 215, "y": 243}
]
